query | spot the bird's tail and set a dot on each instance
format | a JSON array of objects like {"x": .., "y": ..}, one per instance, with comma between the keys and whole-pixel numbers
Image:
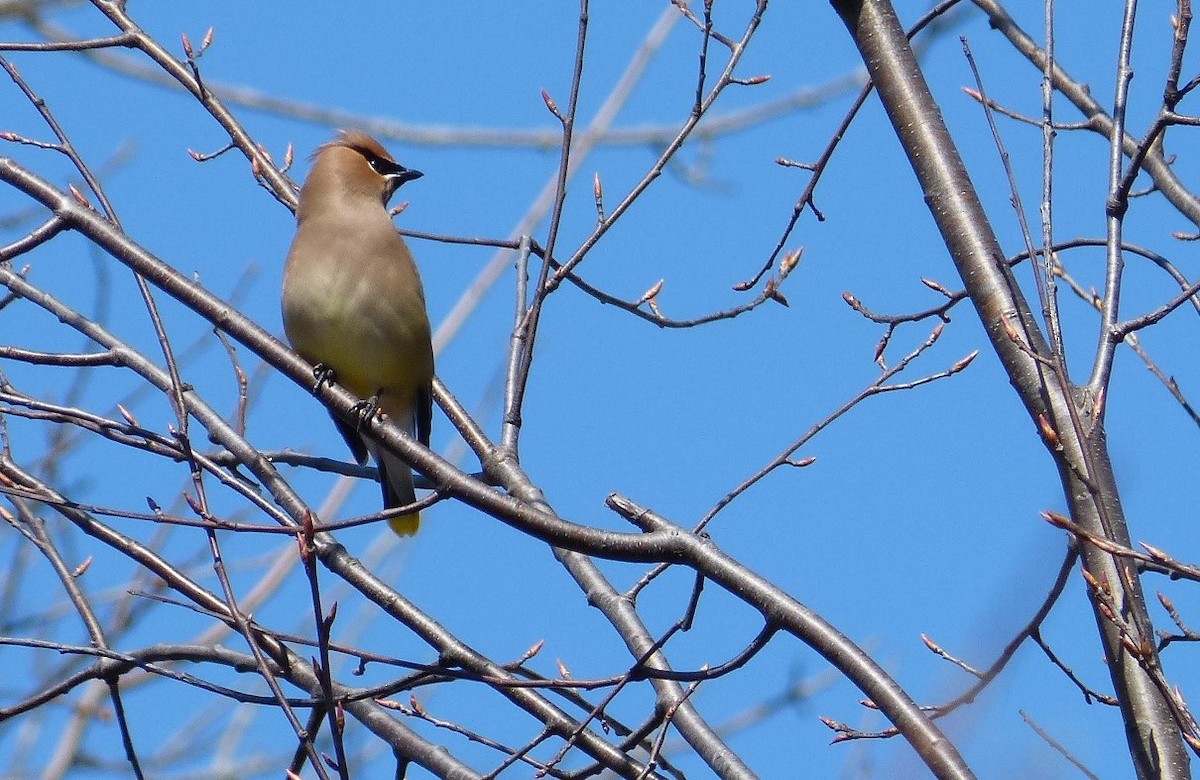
[{"x": 396, "y": 479}]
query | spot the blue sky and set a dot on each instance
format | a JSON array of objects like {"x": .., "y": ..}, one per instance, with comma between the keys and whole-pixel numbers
[{"x": 920, "y": 514}]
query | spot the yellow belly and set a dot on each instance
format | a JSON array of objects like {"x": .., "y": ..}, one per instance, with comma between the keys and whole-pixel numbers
[{"x": 373, "y": 341}]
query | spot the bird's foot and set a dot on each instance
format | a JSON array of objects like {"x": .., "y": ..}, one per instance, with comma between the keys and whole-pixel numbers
[
  {"x": 324, "y": 375},
  {"x": 365, "y": 410}
]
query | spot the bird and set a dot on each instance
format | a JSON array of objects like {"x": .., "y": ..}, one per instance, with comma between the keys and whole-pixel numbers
[{"x": 353, "y": 303}]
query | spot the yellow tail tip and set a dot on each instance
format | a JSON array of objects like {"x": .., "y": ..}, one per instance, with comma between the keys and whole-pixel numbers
[{"x": 405, "y": 525}]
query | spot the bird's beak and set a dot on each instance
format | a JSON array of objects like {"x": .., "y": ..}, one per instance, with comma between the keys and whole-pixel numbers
[
  {"x": 406, "y": 174},
  {"x": 394, "y": 178}
]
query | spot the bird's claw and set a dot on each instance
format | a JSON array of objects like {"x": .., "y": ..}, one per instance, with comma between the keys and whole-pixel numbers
[
  {"x": 365, "y": 410},
  {"x": 324, "y": 375}
]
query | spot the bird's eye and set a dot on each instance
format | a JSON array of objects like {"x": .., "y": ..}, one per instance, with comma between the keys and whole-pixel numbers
[{"x": 385, "y": 167}]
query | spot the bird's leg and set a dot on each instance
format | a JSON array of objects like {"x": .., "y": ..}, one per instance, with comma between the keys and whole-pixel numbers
[
  {"x": 324, "y": 375},
  {"x": 365, "y": 410}
]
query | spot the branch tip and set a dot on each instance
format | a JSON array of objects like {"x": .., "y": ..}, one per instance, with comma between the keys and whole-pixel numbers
[
  {"x": 790, "y": 261},
  {"x": 960, "y": 365},
  {"x": 550, "y": 104}
]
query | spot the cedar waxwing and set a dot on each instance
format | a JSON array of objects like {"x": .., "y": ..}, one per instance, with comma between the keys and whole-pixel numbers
[{"x": 353, "y": 303}]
